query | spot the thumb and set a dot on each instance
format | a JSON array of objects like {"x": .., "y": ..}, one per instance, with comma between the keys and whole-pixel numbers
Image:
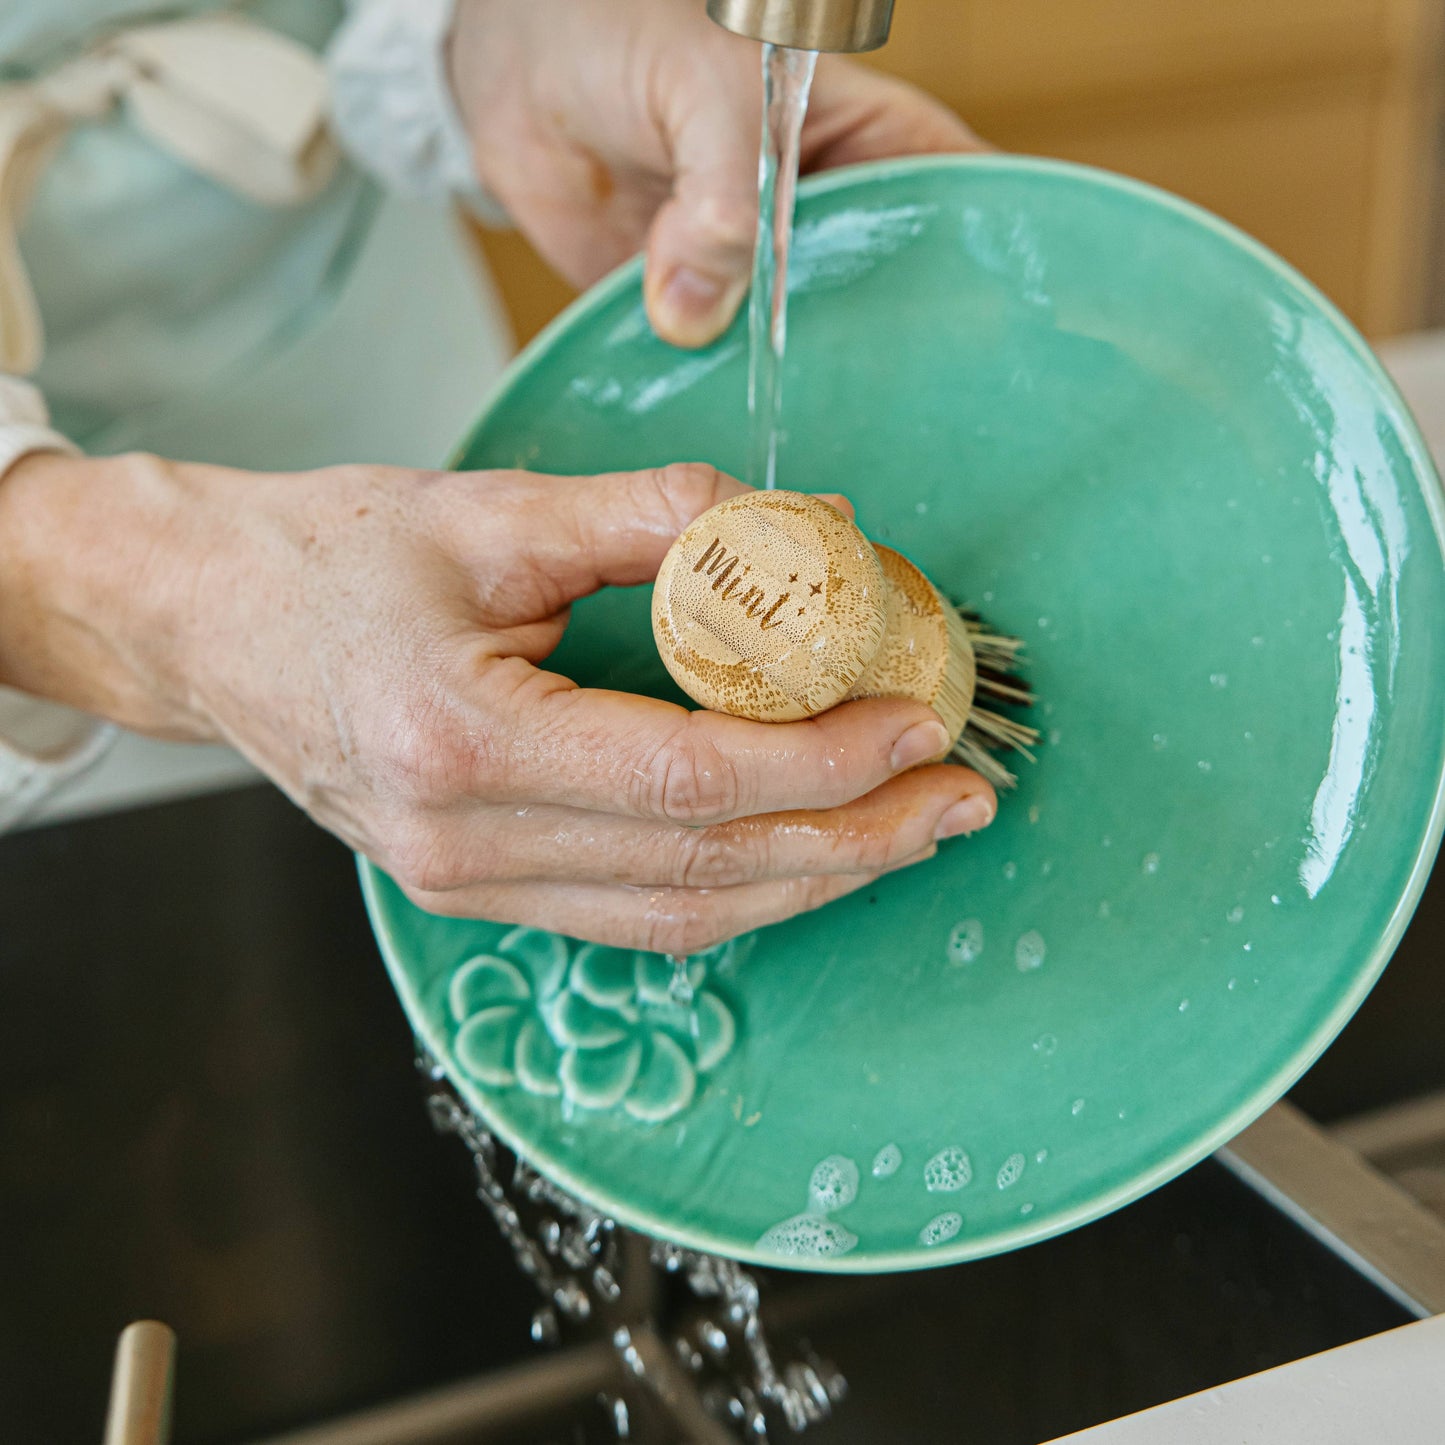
[
  {"x": 700, "y": 247},
  {"x": 577, "y": 534}
]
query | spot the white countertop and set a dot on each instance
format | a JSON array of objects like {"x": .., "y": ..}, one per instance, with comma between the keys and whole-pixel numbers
[{"x": 1388, "y": 1389}]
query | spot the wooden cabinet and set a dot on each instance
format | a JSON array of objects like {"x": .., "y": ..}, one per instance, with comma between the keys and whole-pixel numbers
[{"x": 1310, "y": 123}]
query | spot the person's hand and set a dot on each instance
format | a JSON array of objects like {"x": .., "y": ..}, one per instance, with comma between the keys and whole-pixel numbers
[
  {"x": 603, "y": 126},
  {"x": 370, "y": 637}
]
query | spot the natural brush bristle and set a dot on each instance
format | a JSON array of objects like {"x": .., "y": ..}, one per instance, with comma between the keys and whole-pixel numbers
[{"x": 988, "y": 732}]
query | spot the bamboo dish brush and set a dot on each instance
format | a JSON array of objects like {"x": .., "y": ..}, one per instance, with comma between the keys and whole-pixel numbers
[{"x": 774, "y": 606}]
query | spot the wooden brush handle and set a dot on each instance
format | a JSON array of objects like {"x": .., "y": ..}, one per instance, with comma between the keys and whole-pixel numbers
[
  {"x": 926, "y": 654},
  {"x": 774, "y": 606}
]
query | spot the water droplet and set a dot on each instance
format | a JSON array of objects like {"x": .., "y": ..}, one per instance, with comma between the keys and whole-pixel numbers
[
  {"x": 1046, "y": 867},
  {"x": 965, "y": 941},
  {"x": 886, "y": 1161},
  {"x": 1076, "y": 1108},
  {"x": 1248, "y": 947},
  {"x": 1011, "y": 1171},
  {"x": 1029, "y": 951},
  {"x": 1010, "y": 871},
  {"x": 1274, "y": 898},
  {"x": 1205, "y": 766},
  {"x": 679, "y": 986},
  {"x": 1045, "y": 1044},
  {"x": 1043, "y": 622},
  {"x": 1267, "y": 559},
  {"x": 1033, "y": 813},
  {"x": 1106, "y": 842},
  {"x": 1248, "y": 736},
  {"x": 921, "y": 508},
  {"x": 1055, "y": 737},
  {"x": 1160, "y": 742},
  {"x": 988, "y": 596},
  {"x": 1150, "y": 864},
  {"x": 1235, "y": 914},
  {"x": 1232, "y": 984},
  {"x": 1026, "y": 1209},
  {"x": 1104, "y": 909},
  {"x": 572, "y": 1300},
  {"x": 948, "y": 1171},
  {"x": 940, "y": 1228},
  {"x": 1219, "y": 679},
  {"x": 621, "y": 1418},
  {"x": 1256, "y": 641},
  {"x": 1041, "y": 1156},
  {"x": 1184, "y": 1005}
]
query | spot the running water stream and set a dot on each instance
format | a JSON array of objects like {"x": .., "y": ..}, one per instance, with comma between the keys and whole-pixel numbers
[{"x": 787, "y": 79}]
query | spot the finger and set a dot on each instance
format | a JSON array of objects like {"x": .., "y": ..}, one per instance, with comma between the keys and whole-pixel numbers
[
  {"x": 542, "y": 739},
  {"x": 566, "y": 537},
  {"x": 542, "y": 844},
  {"x": 859, "y": 114},
  {"x": 700, "y": 247},
  {"x": 577, "y": 534},
  {"x": 678, "y": 921}
]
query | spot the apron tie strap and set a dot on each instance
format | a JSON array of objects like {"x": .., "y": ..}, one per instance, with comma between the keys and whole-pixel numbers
[{"x": 232, "y": 100}]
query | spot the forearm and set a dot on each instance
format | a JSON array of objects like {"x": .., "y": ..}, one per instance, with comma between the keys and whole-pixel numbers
[{"x": 96, "y": 564}]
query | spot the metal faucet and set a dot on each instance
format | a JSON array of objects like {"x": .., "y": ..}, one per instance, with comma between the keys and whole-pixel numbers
[{"x": 842, "y": 25}]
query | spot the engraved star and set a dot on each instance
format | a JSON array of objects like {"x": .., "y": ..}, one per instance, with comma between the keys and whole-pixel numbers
[
  {"x": 816, "y": 586},
  {"x": 801, "y": 611},
  {"x": 792, "y": 577}
]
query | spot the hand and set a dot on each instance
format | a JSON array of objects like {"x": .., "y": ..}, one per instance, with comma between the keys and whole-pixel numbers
[
  {"x": 370, "y": 637},
  {"x": 604, "y": 125}
]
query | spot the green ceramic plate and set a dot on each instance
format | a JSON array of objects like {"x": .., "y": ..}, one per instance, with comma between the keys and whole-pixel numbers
[{"x": 1130, "y": 434}]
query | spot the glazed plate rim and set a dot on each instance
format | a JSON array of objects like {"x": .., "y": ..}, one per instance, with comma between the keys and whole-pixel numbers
[{"x": 1318, "y": 1038}]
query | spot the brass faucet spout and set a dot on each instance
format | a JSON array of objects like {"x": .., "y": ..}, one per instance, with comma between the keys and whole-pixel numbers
[{"x": 841, "y": 25}]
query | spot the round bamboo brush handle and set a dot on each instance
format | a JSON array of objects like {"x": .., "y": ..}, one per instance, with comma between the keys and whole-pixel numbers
[
  {"x": 926, "y": 653},
  {"x": 774, "y": 606}
]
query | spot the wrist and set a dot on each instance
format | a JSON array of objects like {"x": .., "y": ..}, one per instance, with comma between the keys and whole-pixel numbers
[{"x": 95, "y": 569}]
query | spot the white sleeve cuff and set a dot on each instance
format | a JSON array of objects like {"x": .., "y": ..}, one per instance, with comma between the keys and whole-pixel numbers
[
  {"x": 25, "y": 424},
  {"x": 42, "y": 744},
  {"x": 392, "y": 105}
]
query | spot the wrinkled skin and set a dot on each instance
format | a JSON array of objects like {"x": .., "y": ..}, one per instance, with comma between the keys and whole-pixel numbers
[
  {"x": 606, "y": 127},
  {"x": 372, "y": 639}
]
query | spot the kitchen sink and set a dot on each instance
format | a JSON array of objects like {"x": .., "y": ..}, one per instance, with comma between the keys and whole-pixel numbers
[{"x": 209, "y": 1115}]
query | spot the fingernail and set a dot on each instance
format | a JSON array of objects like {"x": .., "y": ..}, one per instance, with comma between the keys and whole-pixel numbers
[
  {"x": 967, "y": 815},
  {"x": 694, "y": 306},
  {"x": 921, "y": 743}
]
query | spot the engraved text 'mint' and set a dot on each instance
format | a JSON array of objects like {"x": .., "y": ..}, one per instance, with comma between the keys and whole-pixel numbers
[{"x": 727, "y": 571}]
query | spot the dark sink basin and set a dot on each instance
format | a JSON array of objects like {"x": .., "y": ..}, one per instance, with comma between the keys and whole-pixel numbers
[{"x": 208, "y": 1114}]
